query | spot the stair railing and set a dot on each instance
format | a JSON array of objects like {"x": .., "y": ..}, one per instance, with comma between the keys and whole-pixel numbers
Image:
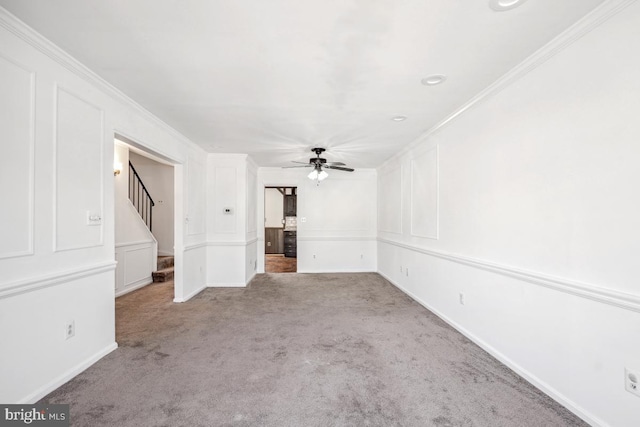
[{"x": 140, "y": 197}]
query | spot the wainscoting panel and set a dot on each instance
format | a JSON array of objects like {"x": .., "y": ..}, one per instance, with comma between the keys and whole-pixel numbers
[
  {"x": 17, "y": 161},
  {"x": 557, "y": 339},
  {"x": 79, "y": 141},
  {"x": 136, "y": 261},
  {"x": 424, "y": 194},
  {"x": 390, "y": 190}
]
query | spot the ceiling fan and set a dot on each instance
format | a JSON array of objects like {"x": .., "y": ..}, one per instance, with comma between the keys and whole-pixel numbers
[{"x": 318, "y": 164}]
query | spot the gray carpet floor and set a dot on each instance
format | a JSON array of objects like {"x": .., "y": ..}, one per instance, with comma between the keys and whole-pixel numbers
[{"x": 297, "y": 350}]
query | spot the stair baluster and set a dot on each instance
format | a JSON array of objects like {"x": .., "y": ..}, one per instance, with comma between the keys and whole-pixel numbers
[{"x": 140, "y": 197}]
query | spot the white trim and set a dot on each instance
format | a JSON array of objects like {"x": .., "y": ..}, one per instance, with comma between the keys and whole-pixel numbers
[
  {"x": 34, "y": 283},
  {"x": 188, "y": 248},
  {"x": 55, "y": 145},
  {"x": 128, "y": 244},
  {"x": 32, "y": 159},
  {"x": 413, "y": 198},
  {"x": 141, "y": 283},
  {"x": 384, "y": 175},
  {"x": 42, "y": 44},
  {"x": 534, "y": 380},
  {"x": 254, "y": 273},
  {"x": 191, "y": 295},
  {"x": 574, "y": 33},
  {"x": 581, "y": 289},
  {"x": 228, "y": 285},
  {"x": 70, "y": 374},
  {"x": 233, "y": 243},
  {"x": 336, "y": 238}
]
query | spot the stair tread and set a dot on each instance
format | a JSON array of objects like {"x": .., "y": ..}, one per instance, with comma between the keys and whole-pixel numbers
[{"x": 165, "y": 270}]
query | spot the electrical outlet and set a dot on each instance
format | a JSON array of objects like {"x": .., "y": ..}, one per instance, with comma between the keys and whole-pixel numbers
[
  {"x": 406, "y": 270},
  {"x": 401, "y": 269},
  {"x": 632, "y": 381},
  {"x": 461, "y": 298},
  {"x": 314, "y": 256},
  {"x": 255, "y": 265},
  {"x": 69, "y": 329}
]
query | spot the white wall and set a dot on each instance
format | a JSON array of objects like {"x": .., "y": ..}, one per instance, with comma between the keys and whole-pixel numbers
[
  {"x": 527, "y": 205},
  {"x": 336, "y": 220},
  {"x": 231, "y": 237},
  {"x": 55, "y": 266},
  {"x": 158, "y": 178},
  {"x": 273, "y": 208}
]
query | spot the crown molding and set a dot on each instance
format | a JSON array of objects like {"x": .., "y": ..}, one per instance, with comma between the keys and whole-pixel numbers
[
  {"x": 584, "y": 26},
  {"x": 27, "y": 34}
]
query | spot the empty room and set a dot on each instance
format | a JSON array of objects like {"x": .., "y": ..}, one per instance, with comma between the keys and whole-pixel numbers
[{"x": 322, "y": 213}]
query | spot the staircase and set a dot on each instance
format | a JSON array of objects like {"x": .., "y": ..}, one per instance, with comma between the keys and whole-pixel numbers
[{"x": 165, "y": 269}]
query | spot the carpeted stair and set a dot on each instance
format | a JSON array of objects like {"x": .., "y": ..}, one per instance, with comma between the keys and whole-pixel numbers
[{"x": 165, "y": 269}]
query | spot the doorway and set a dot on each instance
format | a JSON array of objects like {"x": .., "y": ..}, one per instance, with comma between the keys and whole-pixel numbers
[
  {"x": 145, "y": 221},
  {"x": 280, "y": 230}
]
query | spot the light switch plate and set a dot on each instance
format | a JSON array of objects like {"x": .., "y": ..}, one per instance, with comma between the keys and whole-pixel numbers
[{"x": 94, "y": 218}]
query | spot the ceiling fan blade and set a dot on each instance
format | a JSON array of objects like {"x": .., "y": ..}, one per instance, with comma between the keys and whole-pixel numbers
[
  {"x": 335, "y": 164},
  {"x": 301, "y": 166},
  {"x": 302, "y": 163},
  {"x": 340, "y": 168}
]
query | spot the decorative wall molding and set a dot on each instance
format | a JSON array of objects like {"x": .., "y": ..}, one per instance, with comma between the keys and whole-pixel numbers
[
  {"x": 584, "y": 26},
  {"x": 416, "y": 167},
  {"x": 31, "y": 161},
  {"x": 48, "y": 280},
  {"x": 39, "y": 42},
  {"x": 386, "y": 176},
  {"x": 58, "y": 90},
  {"x": 194, "y": 246},
  {"x": 129, "y": 244},
  {"x": 585, "y": 290},
  {"x": 336, "y": 238},
  {"x": 233, "y": 243}
]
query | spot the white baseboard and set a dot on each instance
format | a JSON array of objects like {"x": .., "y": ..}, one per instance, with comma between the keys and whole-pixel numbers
[
  {"x": 70, "y": 374},
  {"x": 541, "y": 385},
  {"x": 336, "y": 271},
  {"x": 135, "y": 285},
  {"x": 251, "y": 278},
  {"x": 227, "y": 285},
  {"x": 191, "y": 295}
]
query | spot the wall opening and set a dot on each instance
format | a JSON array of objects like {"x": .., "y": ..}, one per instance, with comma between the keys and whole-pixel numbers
[{"x": 280, "y": 230}]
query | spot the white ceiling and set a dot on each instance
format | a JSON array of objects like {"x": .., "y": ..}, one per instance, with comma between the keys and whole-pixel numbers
[{"x": 275, "y": 78}]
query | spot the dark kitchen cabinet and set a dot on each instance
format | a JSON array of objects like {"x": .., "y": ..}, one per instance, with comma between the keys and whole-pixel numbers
[
  {"x": 273, "y": 241},
  {"x": 290, "y": 244},
  {"x": 290, "y": 205}
]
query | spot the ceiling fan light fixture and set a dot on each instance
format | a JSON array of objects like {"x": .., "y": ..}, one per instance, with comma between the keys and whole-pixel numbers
[
  {"x": 322, "y": 175},
  {"x": 434, "y": 79},
  {"x": 313, "y": 175},
  {"x": 502, "y": 5}
]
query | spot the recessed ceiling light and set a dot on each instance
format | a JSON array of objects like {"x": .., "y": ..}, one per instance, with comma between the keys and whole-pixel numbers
[
  {"x": 399, "y": 118},
  {"x": 433, "y": 80},
  {"x": 502, "y": 5}
]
